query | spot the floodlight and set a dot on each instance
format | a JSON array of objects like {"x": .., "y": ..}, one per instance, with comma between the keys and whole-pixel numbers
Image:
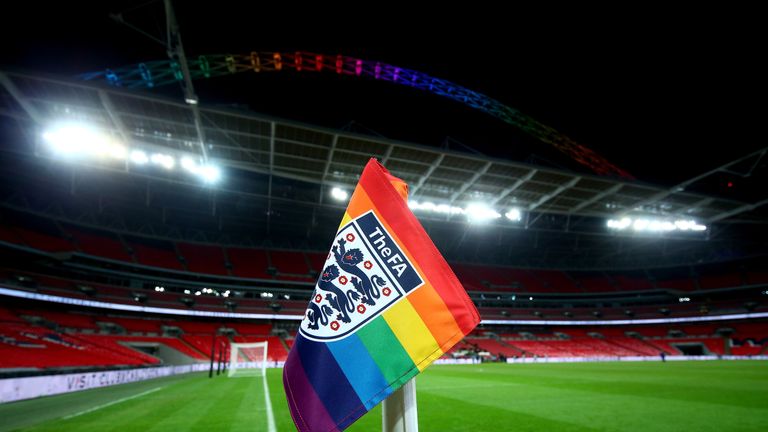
[
  {"x": 210, "y": 173},
  {"x": 339, "y": 194},
  {"x": 655, "y": 225},
  {"x": 188, "y": 164},
  {"x": 80, "y": 140},
  {"x": 139, "y": 157},
  {"x": 480, "y": 213},
  {"x": 514, "y": 214},
  {"x": 163, "y": 160}
]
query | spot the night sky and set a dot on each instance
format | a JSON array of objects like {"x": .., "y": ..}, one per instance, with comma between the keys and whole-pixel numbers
[{"x": 665, "y": 95}]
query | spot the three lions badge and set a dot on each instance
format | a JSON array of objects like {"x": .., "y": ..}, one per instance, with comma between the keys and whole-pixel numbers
[{"x": 365, "y": 273}]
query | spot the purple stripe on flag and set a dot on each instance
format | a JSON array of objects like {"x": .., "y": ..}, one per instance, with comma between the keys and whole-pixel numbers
[
  {"x": 306, "y": 408},
  {"x": 329, "y": 381}
]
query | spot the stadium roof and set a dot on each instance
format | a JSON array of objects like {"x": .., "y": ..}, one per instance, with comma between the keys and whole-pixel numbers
[
  {"x": 278, "y": 175},
  {"x": 283, "y": 148},
  {"x": 656, "y": 107}
]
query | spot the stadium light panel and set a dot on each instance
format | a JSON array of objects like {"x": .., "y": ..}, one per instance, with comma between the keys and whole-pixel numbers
[
  {"x": 79, "y": 140},
  {"x": 475, "y": 212},
  {"x": 621, "y": 224},
  {"x": 116, "y": 151},
  {"x": 188, "y": 164},
  {"x": 70, "y": 140},
  {"x": 481, "y": 213},
  {"x": 139, "y": 157},
  {"x": 164, "y": 160},
  {"x": 684, "y": 225},
  {"x": 339, "y": 194},
  {"x": 515, "y": 215},
  {"x": 654, "y": 225},
  {"x": 437, "y": 208},
  {"x": 210, "y": 173}
]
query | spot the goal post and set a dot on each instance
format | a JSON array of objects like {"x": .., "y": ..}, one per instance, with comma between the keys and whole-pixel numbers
[{"x": 247, "y": 359}]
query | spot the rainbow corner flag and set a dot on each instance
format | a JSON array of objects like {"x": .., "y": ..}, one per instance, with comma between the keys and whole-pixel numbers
[{"x": 386, "y": 305}]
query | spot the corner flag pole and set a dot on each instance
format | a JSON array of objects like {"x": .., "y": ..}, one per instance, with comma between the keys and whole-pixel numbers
[{"x": 398, "y": 411}]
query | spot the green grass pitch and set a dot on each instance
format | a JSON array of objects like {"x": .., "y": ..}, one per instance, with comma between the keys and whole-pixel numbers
[{"x": 673, "y": 396}]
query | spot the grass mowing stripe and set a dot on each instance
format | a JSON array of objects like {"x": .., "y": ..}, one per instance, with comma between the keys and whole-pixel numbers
[
  {"x": 113, "y": 403},
  {"x": 465, "y": 386}
]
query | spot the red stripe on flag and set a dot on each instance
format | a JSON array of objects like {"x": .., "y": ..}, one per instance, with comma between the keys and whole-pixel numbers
[{"x": 407, "y": 230}]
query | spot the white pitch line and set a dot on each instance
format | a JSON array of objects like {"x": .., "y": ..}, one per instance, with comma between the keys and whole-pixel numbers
[
  {"x": 112, "y": 403},
  {"x": 268, "y": 402}
]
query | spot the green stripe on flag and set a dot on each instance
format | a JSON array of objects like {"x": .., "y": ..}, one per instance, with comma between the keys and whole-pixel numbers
[{"x": 385, "y": 349}]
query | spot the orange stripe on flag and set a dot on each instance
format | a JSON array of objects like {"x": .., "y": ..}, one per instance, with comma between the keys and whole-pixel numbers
[
  {"x": 427, "y": 302},
  {"x": 432, "y": 310}
]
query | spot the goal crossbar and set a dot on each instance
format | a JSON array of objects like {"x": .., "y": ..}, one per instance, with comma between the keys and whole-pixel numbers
[{"x": 247, "y": 359}]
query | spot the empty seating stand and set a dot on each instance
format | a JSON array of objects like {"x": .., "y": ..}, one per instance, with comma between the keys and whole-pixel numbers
[
  {"x": 251, "y": 329},
  {"x": 249, "y": 263},
  {"x": 135, "y": 325},
  {"x": 63, "y": 319},
  {"x": 204, "y": 344},
  {"x": 301, "y": 266},
  {"x": 9, "y": 235},
  {"x": 101, "y": 245},
  {"x": 155, "y": 253},
  {"x": 317, "y": 261},
  {"x": 45, "y": 242},
  {"x": 203, "y": 258},
  {"x": 291, "y": 265},
  {"x": 678, "y": 284}
]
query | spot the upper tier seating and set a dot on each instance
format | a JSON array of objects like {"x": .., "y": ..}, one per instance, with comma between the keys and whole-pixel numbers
[
  {"x": 249, "y": 263},
  {"x": 204, "y": 258},
  {"x": 101, "y": 245},
  {"x": 299, "y": 266},
  {"x": 155, "y": 253}
]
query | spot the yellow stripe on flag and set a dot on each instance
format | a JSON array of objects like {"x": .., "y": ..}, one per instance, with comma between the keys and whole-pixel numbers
[
  {"x": 410, "y": 330},
  {"x": 345, "y": 220}
]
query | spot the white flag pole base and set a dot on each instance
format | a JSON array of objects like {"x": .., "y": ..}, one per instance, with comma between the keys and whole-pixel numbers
[{"x": 398, "y": 411}]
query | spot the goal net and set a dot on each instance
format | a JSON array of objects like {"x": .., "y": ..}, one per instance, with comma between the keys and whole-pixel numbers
[{"x": 247, "y": 359}]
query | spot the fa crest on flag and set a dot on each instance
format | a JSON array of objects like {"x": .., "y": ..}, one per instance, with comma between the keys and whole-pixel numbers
[{"x": 365, "y": 273}]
